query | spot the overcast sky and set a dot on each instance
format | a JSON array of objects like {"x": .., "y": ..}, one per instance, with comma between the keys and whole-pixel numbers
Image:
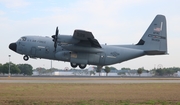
[{"x": 110, "y": 21}]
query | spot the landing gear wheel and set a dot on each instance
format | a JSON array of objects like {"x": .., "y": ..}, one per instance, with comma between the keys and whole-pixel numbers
[
  {"x": 26, "y": 58},
  {"x": 74, "y": 65},
  {"x": 82, "y": 66}
]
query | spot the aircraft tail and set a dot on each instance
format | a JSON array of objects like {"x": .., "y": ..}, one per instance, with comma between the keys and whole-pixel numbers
[{"x": 154, "y": 40}]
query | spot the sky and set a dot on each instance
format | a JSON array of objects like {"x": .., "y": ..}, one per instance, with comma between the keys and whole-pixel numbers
[{"x": 110, "y": 21}]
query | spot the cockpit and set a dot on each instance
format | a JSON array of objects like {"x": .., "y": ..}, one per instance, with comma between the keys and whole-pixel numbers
[{"x": 22, "y": 39}]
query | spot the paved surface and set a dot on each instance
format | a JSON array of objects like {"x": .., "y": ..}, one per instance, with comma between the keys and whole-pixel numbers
[{"x": 86, "y": 80}]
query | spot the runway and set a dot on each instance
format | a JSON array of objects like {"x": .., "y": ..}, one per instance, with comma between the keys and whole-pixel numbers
[{"x": 87, "y": 80}]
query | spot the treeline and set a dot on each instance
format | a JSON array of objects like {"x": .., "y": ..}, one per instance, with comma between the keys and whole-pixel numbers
[
  {"x": 165, "y": 71},
  {"x": 27, "y": 69},
  {"x": 24, "y": 69},
  {"x": 158, "y": 71}
]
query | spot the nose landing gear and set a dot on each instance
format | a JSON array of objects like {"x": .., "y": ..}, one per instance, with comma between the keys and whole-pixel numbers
[{"x": 26, "y": 58}]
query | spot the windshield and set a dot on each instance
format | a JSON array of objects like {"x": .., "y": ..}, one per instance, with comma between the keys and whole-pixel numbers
[{"x": 22, "y": 39}]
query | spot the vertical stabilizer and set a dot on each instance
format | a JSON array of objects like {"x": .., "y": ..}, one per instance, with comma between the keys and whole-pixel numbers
[{"x": 154, "y": 40}]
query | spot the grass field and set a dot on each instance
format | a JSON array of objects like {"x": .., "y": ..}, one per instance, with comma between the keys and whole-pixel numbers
[{"x": 89, "y": 94}]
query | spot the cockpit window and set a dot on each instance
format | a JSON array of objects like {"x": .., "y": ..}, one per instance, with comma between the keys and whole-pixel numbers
[{"x": 22, "y": 39}]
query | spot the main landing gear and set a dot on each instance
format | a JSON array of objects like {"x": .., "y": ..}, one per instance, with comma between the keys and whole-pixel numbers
[
  {"x": 74, "y": 65},
  {"x": 26, "y": 58}
]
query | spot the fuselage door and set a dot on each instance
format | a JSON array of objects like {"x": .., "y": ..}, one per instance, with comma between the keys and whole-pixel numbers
[{"x": 33, "y": 51}]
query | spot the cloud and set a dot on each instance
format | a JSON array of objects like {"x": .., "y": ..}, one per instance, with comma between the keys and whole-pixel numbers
[
  {"x": 2, "y": 12},
  {"x": 15, "y": 3}
]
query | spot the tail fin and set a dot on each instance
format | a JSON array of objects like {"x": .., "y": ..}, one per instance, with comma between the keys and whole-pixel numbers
[{"x": 154, "y": 40}]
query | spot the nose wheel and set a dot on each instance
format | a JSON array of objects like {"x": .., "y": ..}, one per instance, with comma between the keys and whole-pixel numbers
[{"x": 26, "y": 58}]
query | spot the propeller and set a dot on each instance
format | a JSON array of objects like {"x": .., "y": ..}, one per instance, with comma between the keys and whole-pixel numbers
[{"x": 55, "y": 37}]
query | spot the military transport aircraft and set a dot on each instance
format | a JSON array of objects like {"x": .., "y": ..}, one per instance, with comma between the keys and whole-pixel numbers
[{"x": 82, "y": 48}]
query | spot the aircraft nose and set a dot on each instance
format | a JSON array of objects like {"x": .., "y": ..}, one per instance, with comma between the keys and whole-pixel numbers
[{"x": 13, "y": 46}]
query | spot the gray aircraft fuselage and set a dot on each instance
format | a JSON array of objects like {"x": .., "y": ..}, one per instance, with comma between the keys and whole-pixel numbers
[{"x": 42, "y": 47}]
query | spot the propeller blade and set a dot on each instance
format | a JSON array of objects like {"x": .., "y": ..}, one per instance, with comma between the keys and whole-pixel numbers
[
  {"x": 57, "y": 31},
  {"x": 55, "y": 37}
]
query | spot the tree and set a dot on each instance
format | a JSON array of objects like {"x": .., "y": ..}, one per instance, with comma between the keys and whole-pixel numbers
[
  {"x": 1, "y": 68},
  {"x": 98, "y": 69},
  {"x": 92, "y": 72},
  {"x": 112, "y": 68},
  {"x": 139, "y": 71},
  {"x": 107, "y": 70},
  {"x": 161, "y": 72},
  {"x": 26, "y": 69},
  {"x": 41, "y": 70},
  {"x": 125, "y": 68},
  {"x": 5, "y": 68},
  {"x": 51, "y": 70},
  {"x": 13, "y": 68}
]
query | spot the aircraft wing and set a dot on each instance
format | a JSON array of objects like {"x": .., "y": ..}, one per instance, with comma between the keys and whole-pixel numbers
[
  {"x": 84, "y": 42},
  {"x": 86, "y": 39}
]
